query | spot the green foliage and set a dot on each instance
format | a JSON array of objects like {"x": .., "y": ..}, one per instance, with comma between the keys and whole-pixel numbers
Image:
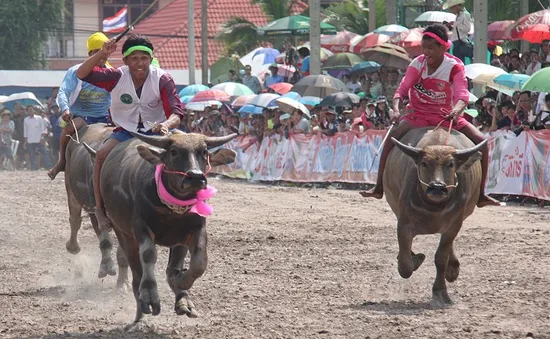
[
  {"x": 26, "y": 26},
  {"x": 275, "y": 9},
  {"x": 506, "y": 9},
  {"x": 347, "y": 15},
  {"x": 239, "y": 36}
]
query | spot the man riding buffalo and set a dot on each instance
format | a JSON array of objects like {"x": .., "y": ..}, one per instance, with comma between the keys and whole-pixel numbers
[
  {"x": 143, "y": 99},
  {"x": 436, "y": 86}
]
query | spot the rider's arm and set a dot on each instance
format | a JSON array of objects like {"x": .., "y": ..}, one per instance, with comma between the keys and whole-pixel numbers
[
  {"x": 170, "y": 101},
  {"x": 70, "y": 81},
  {"x": 461, "y": 95}
]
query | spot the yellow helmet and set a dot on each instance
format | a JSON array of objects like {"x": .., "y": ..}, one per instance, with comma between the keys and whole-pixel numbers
[{"x": 95, "y": 41}]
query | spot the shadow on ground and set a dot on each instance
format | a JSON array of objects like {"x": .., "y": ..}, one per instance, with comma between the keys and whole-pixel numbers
[{"x": 113, "y": 334}]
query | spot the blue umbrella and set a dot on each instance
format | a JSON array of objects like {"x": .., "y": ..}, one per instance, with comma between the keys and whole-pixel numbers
[
  {"x": 310, "y": 101},
  {"x": 192, "y": 90},
  {"x": 390, "y": 30},
  {"x": 185, "y": 99},
  {"x": 366, "y": 67},
  {"x": 251, "y": 109},
  {"x": 291, "y": 95},
  {"x": 512, "y": 81},
  {"x": 269, "y": 54}
]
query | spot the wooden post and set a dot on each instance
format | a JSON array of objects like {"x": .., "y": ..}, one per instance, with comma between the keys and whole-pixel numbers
[
  {"x": 204, "y": 42},
  {"x": 524, "y": 10},
  {"x": 372, "y": 15},
  {"x": 480, "y": 37},
  {"x": 191, "y": 40},
  {"x": 315, "y": 37},
  {"x": 391, "y": 12}
]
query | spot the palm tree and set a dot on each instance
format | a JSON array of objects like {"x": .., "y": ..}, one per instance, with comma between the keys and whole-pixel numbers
[{"x": 353, "y": 15}]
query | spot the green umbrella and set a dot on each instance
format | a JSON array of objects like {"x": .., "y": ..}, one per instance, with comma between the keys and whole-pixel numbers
[
  {"x": 471, "y": 112},
  {"x": 219, "y": 70},
  {"x": 341, "y": 61},
  {"x": 292, "y": 25},
  {"x": 538, "y": 82}
]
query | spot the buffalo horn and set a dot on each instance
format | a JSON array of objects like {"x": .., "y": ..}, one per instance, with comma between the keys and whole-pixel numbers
[
  {"x": 157, "y": 141},
  {"x": 212, "y": 142},
  {"x": 408, "y": 149},
  {"x": 472, "y": 150}
]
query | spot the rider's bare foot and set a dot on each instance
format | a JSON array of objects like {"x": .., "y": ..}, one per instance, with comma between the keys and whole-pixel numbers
[
  {"x": 59, "y": 167},
  {"x": 485, "y": 200},
  {"x": 377, "y": 193}
]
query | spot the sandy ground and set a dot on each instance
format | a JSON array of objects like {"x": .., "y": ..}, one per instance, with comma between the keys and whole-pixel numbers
[{"x": 284, "y": 263}]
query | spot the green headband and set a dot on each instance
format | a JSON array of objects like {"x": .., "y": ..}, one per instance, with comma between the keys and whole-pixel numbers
[{"x": 138, "y": 48}]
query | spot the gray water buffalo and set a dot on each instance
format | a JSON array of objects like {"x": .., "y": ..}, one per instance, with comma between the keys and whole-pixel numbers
[
  {"x": 80, "y": 194},
  {"x": 432, "y": 188},
  {"x": 141, "y": 219}
]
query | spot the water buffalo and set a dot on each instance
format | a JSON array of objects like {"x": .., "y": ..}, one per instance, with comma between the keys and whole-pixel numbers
[
  {"x": 144, "y": 190},
  {"x": 80, "y": 194},
  {"x": 432, "y": 187}
]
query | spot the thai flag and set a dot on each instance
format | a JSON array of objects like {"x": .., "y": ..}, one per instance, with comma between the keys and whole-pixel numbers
[{"x": 116, "y": 23}]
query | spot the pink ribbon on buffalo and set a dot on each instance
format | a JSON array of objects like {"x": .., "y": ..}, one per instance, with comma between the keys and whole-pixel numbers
[{"x": 198, "y": 204}]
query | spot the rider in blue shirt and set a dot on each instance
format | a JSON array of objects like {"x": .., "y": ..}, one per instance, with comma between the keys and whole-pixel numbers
[{"x": 80, "y": 101}]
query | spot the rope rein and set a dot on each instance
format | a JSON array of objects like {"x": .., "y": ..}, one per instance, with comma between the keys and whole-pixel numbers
[{"x": 77, "y": 140}]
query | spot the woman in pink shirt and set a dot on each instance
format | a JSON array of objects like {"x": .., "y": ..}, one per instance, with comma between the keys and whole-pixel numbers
[{"x": 436, "y": 86}]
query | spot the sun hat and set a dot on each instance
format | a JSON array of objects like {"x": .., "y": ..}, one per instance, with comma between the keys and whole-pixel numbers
[{"x": 451, "y": 3}]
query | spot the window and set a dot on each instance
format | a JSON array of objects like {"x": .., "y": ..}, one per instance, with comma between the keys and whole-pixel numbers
[{"x": 135, "y": 8}]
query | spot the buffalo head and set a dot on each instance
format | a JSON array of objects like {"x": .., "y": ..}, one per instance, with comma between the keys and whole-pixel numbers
[
  {"x": 437, "y": 166},
  {"x": 186, "y": 158}
]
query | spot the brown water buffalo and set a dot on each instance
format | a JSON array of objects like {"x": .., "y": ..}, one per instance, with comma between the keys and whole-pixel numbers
[
  {"x": 432, "y": 188},
  {"x": 80, "y": 194},
  {"x": 141, "y": 220}
]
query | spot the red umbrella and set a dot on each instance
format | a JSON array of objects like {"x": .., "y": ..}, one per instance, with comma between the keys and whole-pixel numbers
[
  {"x": 410, "y": 40},
  {"x": 281, "y": 88},
  {"x": 338, "y": 43},
  {"x": 361, "y": 43},
  {"x": 497, "y": 30},
  {"x": 525, "y": 28},
  {"x": 211, "y": 94}
]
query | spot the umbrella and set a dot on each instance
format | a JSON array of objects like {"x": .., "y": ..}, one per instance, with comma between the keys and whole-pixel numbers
[
  {"x": 337, "y": 43},
  {"x": 242, "y": 100},
  {"x": 211, "y": 94},
  {"x": 497, "y": 29},
  {"x": 471, "y": 112},
  {"x": 263, "y": 100},
  {"x": 361, "y": 43},
  {"x": 185, "y": 99},
  {"x": 388, "y": 55},
  {"x": 219, "y": 69},
  {"x": 200, "y": 106},
  {"x": 269, "y": 54},
  {"x": 310, "y": 101},
  {"x": 340, "y": 100},
  {"x": 475, "y": 70},
  {"x": 472, "y": 99},
  {"x": 390, "y": 30},
  {"x": 325, "y": 53},
  {"x": 23, "y": 98},
  {"x": 281, "y": 88},
  {"x": 251, "y": 109},
  {"x": 535, "y": 34},
  {"x": 291, "y": 26},
  {"x": 410, "y": 40},
  {"x": 539, "y": 82},
  {"x": 365, "y": 67},
  {"x": 284, "y": 70},
  {"x": 192, "y": 90},
  {"x": 432, "y": 17},
  {"x": 233, "y": 88},
  {"x": 319, "y": 86},
  {"x": 341, "y": 61},
  {"x": 523, "y": 27},
  {"x": 291, "y": 95},
  {"x": 288, "y": 105},
  {"x": 512, "y": 81}
]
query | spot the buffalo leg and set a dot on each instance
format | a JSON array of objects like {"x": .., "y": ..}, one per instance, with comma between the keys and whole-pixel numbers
[
  {"x": 407, "y": 261},
  {"x": 183, "y": 304},
  {"x": 148, "y": 293},
  {"x": 107, "y": 266},
  {"x": 75, "y": 220},
  {"x": 122, "y": 262},
  {"x": 198, "y": 262},
  {"x": 439, "y": 290},
  {"x": 453, "y": 267}
]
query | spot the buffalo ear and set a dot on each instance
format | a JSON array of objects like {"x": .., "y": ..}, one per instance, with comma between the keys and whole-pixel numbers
[
  {"x": 467, "y": 157},
  {"x": 223, "y": 156},
  {"x": 151, "y": 154},
  {"x": 414, "y": 152}
]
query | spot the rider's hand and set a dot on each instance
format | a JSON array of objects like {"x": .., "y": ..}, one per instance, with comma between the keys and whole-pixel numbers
[
  {"x": 161, "y": 128},
  {"x": 454, "y": 115},
  {"x": 109, "y": 47},
  {"x": 66, "y": 116}
]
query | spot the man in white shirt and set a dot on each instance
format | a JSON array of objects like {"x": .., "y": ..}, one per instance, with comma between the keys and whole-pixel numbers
[
  {"x": 354, "y": 85},
  {"x": 462, "y": 27},
  {"x": 535, "y": 64},
  {"x": 34, "y": 131}
]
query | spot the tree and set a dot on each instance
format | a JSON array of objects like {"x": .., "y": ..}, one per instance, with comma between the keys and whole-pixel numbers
[
  {"x": 350, "y": 16},
  {"x": 25, "y": 27}
]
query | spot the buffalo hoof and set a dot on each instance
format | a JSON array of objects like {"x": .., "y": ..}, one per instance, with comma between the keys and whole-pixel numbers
[
  {"x": 184, "y": 306},
  {"x": 137, "y": 326},
  {"x": 149, "y": 301},
  {"x": 452, "y": 271},
  {"x": 123, "y": 287},
  {"x": 106, "y": 267},
  {"x": 417, "y": 259},
  {"x": 73, "y": 248},
  {"x": 441, "y": 296}
]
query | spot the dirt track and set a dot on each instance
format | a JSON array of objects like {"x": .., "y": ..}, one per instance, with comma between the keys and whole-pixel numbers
[{"x": 283, "y": 263}]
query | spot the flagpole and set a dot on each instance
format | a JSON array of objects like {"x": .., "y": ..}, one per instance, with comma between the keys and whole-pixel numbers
[
  {"x": 204, "y": 42},
  {"x": 191, "y": 40}
]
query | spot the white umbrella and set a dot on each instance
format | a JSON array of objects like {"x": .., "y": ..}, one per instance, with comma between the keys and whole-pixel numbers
[
  {"x": 475, "y": 70},
  {"x": 435, "y": 16},
  {"x": 288, "y": 105},
  {"x": 263, "y": 99},
  {"x": 201, "y": 105}
]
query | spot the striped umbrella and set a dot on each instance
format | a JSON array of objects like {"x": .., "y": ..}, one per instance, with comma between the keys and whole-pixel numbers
[
  {"x": 211, "y": 94},
  {"x": 233, "y": 88}
]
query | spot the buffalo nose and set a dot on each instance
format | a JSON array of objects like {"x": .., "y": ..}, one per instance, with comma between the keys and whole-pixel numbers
[
  {"x": 196, "y": 177},
  {"x": 437, "y": 188}
]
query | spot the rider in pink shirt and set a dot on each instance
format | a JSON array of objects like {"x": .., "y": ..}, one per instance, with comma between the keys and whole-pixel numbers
[{"x": 436, "y": 86}]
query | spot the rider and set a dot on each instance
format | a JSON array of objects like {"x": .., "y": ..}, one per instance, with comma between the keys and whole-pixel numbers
[
  {"x": 140, "y": 93},
  {"x": 83, "y": 102},
  {"x": 437, "y": 88}
]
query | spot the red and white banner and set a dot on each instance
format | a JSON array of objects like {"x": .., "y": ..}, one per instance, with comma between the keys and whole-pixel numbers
[{"x": 518, "y": 165}]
